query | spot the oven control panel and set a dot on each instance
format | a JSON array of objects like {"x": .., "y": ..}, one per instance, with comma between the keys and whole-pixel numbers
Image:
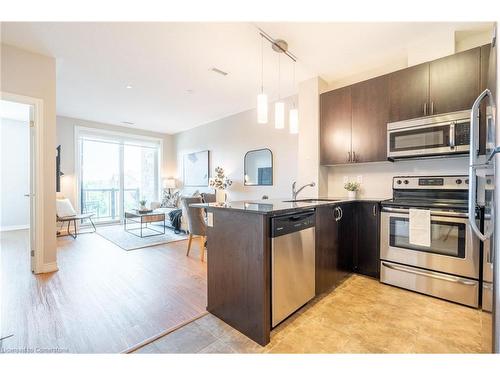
[{"x": 431, "y": 182}]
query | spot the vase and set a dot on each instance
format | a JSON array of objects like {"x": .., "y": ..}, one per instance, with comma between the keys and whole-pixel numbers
[
  {"x": 351, "y": 194},
  {"x": 220, "y": 196}
]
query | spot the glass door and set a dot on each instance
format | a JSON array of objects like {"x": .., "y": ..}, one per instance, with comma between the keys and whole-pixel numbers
[
  {"x": 100, "y": 179},
  {"x": 116, "y": 172},
  {"x": 447, "y": 238},
  {"x": 140, "y": 175}
]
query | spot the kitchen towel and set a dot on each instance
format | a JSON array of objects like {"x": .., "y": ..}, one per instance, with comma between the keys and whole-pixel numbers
[{"x": 420, "y": 227}]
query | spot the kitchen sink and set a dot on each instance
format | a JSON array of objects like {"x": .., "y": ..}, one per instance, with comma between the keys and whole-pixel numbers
[{"x": 312, "y": 200}]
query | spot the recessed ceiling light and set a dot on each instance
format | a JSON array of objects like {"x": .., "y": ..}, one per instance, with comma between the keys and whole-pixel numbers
[
  {"x": 218, "y": 71},
  {"x": 128, "y": 123},
  {"x": 128, "y": 86}
]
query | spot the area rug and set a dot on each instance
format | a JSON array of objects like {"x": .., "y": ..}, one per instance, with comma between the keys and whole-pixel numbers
[{"x": 128, "y": 241}]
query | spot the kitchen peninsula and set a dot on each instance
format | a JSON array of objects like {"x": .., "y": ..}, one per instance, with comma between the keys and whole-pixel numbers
[{"x": 240, "y": 262}]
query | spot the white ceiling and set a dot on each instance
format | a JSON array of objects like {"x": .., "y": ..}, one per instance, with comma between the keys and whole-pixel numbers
[
  {"x": 169, "y": 64},
  {"x": 14, "y": 111}
]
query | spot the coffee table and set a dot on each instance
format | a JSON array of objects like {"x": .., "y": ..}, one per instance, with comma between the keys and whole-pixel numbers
[{"x": 143, "y": 219}]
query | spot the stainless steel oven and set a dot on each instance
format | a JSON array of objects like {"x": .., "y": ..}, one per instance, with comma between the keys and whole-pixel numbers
[
  {"x": 453, "y": 249},
  {"x": 430, "y": 136},
  {"x": 450, "y": 267}
]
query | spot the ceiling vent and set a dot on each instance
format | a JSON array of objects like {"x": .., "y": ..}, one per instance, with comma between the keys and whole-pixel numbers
[{"x": 218, "y": 71}]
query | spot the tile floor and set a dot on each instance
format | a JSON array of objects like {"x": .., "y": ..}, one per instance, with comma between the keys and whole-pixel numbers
[{"x": 360, "y": 316}]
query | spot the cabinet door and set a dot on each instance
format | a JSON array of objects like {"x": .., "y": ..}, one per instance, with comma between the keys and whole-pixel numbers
[
  {"x": 485, "y": 58},
  {"x": 368, "y": 249},
  {"x": 454, "y": 82},
  {"x": 335, "y": 126},
  {"x": 326, "y": 248},
  {"x": 409, "y": 93},
  {"x": 370, "y": 114},
  {"x": 347, "y": 234}
]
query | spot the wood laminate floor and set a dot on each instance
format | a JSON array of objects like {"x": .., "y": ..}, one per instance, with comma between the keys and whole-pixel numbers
[
  {"x": 102, "y": 300},
  {"x": 360, "y": 316}
]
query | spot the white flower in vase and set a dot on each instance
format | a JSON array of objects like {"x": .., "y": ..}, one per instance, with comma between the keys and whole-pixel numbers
[{"x": 220, "y": 183}]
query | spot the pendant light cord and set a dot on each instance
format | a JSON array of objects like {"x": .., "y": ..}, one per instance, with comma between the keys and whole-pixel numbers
[
  {"x": 293, "y": 88},
  {"x": 261, "y": 64},
  {"x": 279, "y": 77}
]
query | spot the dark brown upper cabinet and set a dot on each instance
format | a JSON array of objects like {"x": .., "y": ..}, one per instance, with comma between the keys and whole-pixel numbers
[
  {"x": 370, "y": 114},
  {"x": 354, "y": 118},
  {"x": 409, "y": 93},
  {"x": 335, "y": 129},
  {"x": 454, "y": 82}
]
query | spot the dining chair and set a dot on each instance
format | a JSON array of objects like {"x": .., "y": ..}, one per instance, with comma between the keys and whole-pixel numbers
[{"x": 195, "y": 222}]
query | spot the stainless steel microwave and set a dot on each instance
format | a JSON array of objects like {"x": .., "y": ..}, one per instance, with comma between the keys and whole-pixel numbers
[{"x": 432, "y": 136}]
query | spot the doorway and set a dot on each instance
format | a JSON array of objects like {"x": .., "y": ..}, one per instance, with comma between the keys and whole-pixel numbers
[{"x": 17, "y": 177}]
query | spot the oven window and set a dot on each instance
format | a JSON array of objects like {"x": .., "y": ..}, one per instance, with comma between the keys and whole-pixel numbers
[
  {"x": 446, "y": 238},
  {"x": 433, "y": 137}
]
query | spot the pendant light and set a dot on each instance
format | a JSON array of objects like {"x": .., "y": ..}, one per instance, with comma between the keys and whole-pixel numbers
[
  {"x": 293, "y": 116},
  {"x": 262, "y": 97},
  {"x": 279, "y": 106}
]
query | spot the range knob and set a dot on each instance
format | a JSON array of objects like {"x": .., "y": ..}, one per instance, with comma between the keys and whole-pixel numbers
[
  {"x": 467, "y": 181},
  {"x": 398, "y": 182},
  {"x": 458, "y": 181},
  {"x": 406, "y": 182}
]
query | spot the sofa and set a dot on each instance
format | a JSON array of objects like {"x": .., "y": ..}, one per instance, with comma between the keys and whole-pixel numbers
[{"x": 175, "y": 204}]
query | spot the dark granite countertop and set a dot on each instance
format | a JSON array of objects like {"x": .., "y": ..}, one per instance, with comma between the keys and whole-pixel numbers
[{"x": 279, "y": 206}]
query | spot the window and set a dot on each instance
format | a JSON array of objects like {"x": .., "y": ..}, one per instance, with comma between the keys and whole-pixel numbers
[{"x": 115, "y": 172}]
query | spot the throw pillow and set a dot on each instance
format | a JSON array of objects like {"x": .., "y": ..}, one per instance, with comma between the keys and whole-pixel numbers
[
  {"x": 170, "y": 200},
  {"x": 64, "y": 208}
]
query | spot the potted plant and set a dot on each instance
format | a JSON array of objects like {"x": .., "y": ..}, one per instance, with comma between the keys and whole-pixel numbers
[
  {"x": 352, "y": 188},
  {"x": 142, "y": 204},
  {"x": 220, "y": 183}
]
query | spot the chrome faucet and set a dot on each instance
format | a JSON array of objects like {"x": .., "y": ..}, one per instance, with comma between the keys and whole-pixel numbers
[{"x": 296, "y": 192}]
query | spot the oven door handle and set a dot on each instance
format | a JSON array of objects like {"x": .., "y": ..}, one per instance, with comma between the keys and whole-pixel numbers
[
  {"x": 433, "y": 213},
  {"x": 434, "y": 275}
]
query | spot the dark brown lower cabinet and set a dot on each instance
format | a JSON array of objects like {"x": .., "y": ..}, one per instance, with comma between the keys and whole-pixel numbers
[
  {"x": 347, "y": 240},
  {"x": 335, "y": 238},
  {"x": 367, "y": 254},
  {"x": 327, "y": 245}
]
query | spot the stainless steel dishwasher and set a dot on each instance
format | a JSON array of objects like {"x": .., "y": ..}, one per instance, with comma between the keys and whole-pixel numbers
[{"x": 292, "y": 262}]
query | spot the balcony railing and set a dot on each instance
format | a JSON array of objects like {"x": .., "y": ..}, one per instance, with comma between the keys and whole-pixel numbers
[{"x": 105, "y": 203}]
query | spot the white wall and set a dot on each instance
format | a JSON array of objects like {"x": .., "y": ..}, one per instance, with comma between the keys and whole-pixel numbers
[
  {"x": 14, "y": 158},
  {"x": 229, "y": 139},
  {"x": 377, "y": 177},
  {"x": 34, "y": 75},
  {"x": 309, "y": 169},
  {"x": 66, "y": 138}
]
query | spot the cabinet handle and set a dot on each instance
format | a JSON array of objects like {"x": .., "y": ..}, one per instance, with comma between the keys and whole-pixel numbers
[
  {"x": 432, "y": 108},
  {"x": 348, "y": 156},
  {"x": 334, "y": 211},
  {"x": 434, "y": 275},
  {"x": 425, "y": 109},
  {"x": 354, "y": 157},
  {"x": 374, "y": 210},
  {"x": 341, "y": 213}
]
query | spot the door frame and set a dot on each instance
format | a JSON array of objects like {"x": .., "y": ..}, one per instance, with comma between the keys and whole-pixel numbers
[{"x": 37, "y": 260}]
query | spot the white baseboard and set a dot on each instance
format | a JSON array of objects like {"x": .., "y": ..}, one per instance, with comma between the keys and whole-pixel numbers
[
  {"x": 13, "y": 227},
  {"x": 47, "y": 267}
]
